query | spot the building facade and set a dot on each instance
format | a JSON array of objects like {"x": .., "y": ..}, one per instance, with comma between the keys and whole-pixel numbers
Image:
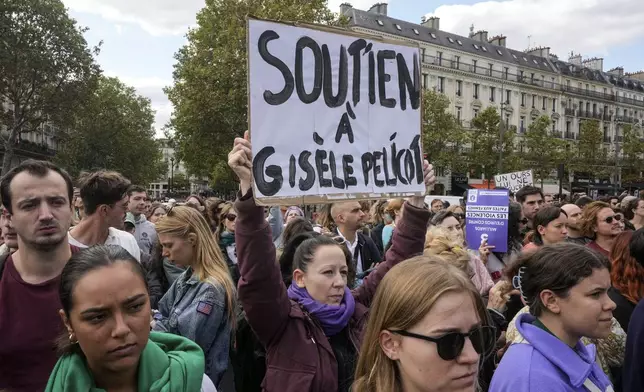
[
  {"x": 40, "y": 144},
  {"x": 478, "y": 71}
]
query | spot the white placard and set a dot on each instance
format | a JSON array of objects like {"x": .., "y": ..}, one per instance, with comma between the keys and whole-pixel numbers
[
  {"x": 514, "y": 181},
  {"x": 333, "y": 115}
]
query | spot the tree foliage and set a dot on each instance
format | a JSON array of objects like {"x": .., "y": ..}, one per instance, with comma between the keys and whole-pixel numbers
[
  {"x": 632, "y": 162},
  {"x": 544, "y": 150},
  {"x": 209, "y": 92},
  {"x": 114, "y": 131},
  {"x": 486, "y": 143},
  {"x": 591, "y": 157},
  {"x": 180, "y": 183},
  {"x": 46, "y": 68},
  {"x": 443, "y": 136}
]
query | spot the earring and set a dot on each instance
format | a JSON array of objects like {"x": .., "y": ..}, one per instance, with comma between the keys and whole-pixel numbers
[{"x": 71, "y": 338}]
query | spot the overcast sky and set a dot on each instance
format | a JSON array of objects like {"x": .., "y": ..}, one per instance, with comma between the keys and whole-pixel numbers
[{"x": 140, "y": 37}]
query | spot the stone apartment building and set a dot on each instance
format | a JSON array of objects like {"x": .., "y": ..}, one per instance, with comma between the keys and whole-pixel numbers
[{"x": 478, "y": 71}]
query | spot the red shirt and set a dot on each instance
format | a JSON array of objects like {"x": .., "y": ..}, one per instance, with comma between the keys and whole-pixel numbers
[
  {"x": 593, "y": 245},
  {"x": 29, "y": 327}
]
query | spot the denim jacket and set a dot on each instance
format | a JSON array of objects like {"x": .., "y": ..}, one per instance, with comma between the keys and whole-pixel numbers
[{"x": 197, "y": 311}]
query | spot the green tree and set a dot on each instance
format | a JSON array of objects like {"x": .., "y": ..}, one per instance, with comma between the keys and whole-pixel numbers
[
  {"x": 632, "y": 161},
  {"x": 180, "y": 183},
  {"x": 46, "y": 69},
  {"x": 591, "y": 155},
  {"x": 544, "y": 150},
  {"x": 114, "y": 131},
  {"x": 486, "y": 143},
  {"x": 443, "y": 135},
  {"x": 210, "y": 85},
  {"x": 223, "y": 180}
]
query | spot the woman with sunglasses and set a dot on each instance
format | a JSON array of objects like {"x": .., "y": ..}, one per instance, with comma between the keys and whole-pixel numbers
[
  {"x": 428, "y": 331},
  {"x": 566, "y": 287},
  {"x": 602, "y": 225},
  {"x": 312, "y": 329},
  {"x": 225, "y": 236},
  {"x": 200, "y": 304},
  {"x": 549, "y": 228}
]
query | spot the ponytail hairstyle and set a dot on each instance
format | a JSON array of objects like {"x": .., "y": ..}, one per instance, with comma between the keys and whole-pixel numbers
[
  {"x": 79, "y": 265},
  {"x": 210, "y": 265},
  {"x": 557, "y": 268},
  {"x": 406, "y": 294}
]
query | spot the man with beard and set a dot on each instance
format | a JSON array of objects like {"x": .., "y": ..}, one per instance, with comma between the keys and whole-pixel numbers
[
  {"x": 349, "y": 218},
  {"x": 600, "y": 223},
  {"x": 531, "y": 200},
  {"x": 37, "y": 196},
  {"x": 574, "y": 224},
  {"x": 104, "y": 195}
]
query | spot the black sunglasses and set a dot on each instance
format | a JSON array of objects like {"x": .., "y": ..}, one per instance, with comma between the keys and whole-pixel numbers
[
  {"x": 524, "y": 221},
  {"x": 231, "y": 217},
  {"x": 450, "y": 345},
  {"x": 610, "y": 218}
]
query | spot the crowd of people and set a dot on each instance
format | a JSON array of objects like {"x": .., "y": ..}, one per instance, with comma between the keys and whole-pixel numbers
[{"x": 103, "y": 289}]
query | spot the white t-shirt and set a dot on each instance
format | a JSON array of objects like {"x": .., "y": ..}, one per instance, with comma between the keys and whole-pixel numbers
[{"x": 115, "y": 237}]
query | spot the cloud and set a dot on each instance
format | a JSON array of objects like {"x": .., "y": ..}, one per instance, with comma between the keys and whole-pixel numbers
[
  {"x": 157, "y": 17},
  {"x": 589, "y": 27}
]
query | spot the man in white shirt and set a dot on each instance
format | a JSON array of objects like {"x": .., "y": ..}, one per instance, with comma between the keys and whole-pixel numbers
[
  {"x": 349, "y": 218},
  {"x": 105, "y": 200}
]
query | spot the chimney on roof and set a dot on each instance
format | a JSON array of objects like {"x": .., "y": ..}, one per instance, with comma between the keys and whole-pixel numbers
[
  {"x": 539, "y": 51},
  {"x": 594, "y": 63},
  {"x": 617, "y": 71},
  {"x": 639, "y": 75},
  {"x": 480, "y": 36},
  {"x": 498, "y": 40},
  {"x": 433, "y": 22},
  {"x": 344, "y": 8},
  {"x": 379, "y": 8},
  {"x": 575, "y": 59}
]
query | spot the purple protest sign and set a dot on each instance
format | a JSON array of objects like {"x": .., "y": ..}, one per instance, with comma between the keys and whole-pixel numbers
[{"x": 486, "y": 217}]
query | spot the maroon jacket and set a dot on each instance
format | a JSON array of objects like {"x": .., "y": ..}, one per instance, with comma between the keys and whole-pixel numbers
[{"x": 299, "y": 357}]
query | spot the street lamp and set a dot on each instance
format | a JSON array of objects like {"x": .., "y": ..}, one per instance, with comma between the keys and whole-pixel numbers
[{"x": 171, "y": 173}]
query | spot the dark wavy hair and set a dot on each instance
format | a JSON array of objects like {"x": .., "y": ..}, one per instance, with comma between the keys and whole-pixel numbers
[
  {"x": 79, "y": 265},
  {"x": 557, "y": 267}
]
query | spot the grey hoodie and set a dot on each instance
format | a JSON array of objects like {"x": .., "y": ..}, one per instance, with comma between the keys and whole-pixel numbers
[{"x": 145, "y": 234}]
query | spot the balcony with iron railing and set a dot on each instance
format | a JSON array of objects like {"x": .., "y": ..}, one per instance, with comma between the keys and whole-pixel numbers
[
  {"x": 607, "y": 139},
  {"x": 569, "y": 135},
  {"x": 557, "y": 134},
  {"x": 569, "y": 112},
  {"x": 550, "y": 85}
]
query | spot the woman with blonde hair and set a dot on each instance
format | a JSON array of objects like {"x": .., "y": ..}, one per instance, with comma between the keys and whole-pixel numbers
[
  {"x": 428, "y": 331},
  {"x": 393, "y": 214},
  {"x": 200, "y": 304},
  {"x": 449, "y": 247}
]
